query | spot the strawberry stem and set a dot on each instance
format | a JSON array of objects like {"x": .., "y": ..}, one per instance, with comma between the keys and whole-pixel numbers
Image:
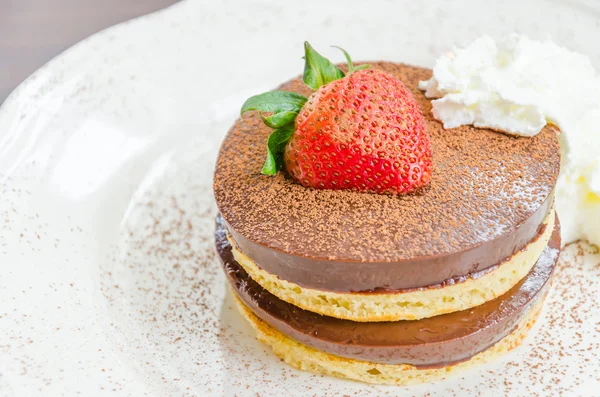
[{"x": 351, "y": 67}]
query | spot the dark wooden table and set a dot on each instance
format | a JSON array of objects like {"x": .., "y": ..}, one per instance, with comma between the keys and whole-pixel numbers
[{"x": 34, "y": 31}]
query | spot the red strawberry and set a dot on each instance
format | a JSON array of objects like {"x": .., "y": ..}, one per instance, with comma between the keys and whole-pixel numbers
[{"x": 363, "y": 131}]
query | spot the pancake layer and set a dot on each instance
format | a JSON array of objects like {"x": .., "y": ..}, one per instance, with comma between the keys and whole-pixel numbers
[
  {"x": 312, "y": 360},
  {"x": 453, "y": 295}
]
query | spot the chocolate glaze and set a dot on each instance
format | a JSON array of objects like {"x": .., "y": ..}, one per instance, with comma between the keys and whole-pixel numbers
[
  {"x": 488, "y": 196},
  {"x": 398, "y": 276},
  {"x": 428, "y": 343}
]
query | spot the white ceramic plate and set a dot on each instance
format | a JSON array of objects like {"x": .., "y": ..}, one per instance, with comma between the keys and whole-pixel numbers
[{"x": 108, "y": 280}]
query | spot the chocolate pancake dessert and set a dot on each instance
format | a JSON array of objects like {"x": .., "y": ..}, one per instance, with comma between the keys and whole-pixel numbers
[{"x": 363, "y": 240}]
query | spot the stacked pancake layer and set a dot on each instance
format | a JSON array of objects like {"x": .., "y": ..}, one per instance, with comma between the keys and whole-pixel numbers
[
  {"x": 392, "y": 289},
  {"x": 413, "y": 304}
]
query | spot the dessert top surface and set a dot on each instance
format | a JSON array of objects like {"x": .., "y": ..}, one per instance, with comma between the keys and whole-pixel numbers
[{"x": 485, "y": 184}]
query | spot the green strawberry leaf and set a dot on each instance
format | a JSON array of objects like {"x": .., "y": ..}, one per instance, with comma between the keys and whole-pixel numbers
[
  {"x": 318, "y": 70},
  {"x": 278, "y": 120},
  {"x": 275, "y": 102},
  {"x": 284, "y": 106},
  {"x": 275, "y": 145},
  {"x": 351, "y": 67}
]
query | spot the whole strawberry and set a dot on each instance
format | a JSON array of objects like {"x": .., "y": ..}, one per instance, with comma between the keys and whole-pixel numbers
[{"x": 363, "y": 131}]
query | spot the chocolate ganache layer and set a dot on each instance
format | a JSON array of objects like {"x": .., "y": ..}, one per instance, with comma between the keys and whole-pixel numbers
[
  {"x": 433, "y": 342},
  {"x": 488, "y": 196}
]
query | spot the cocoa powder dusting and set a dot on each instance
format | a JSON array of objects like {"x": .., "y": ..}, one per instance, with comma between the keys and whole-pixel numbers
[
  {"x": 485, "y": 184},
  {"x": 571, "y": 305}
]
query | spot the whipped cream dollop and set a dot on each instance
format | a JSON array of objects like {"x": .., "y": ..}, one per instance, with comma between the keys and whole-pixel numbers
[{"x": 517, "y": 85}]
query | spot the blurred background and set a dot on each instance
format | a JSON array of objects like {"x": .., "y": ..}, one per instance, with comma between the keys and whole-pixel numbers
[{"x": 34, "y": 31}]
